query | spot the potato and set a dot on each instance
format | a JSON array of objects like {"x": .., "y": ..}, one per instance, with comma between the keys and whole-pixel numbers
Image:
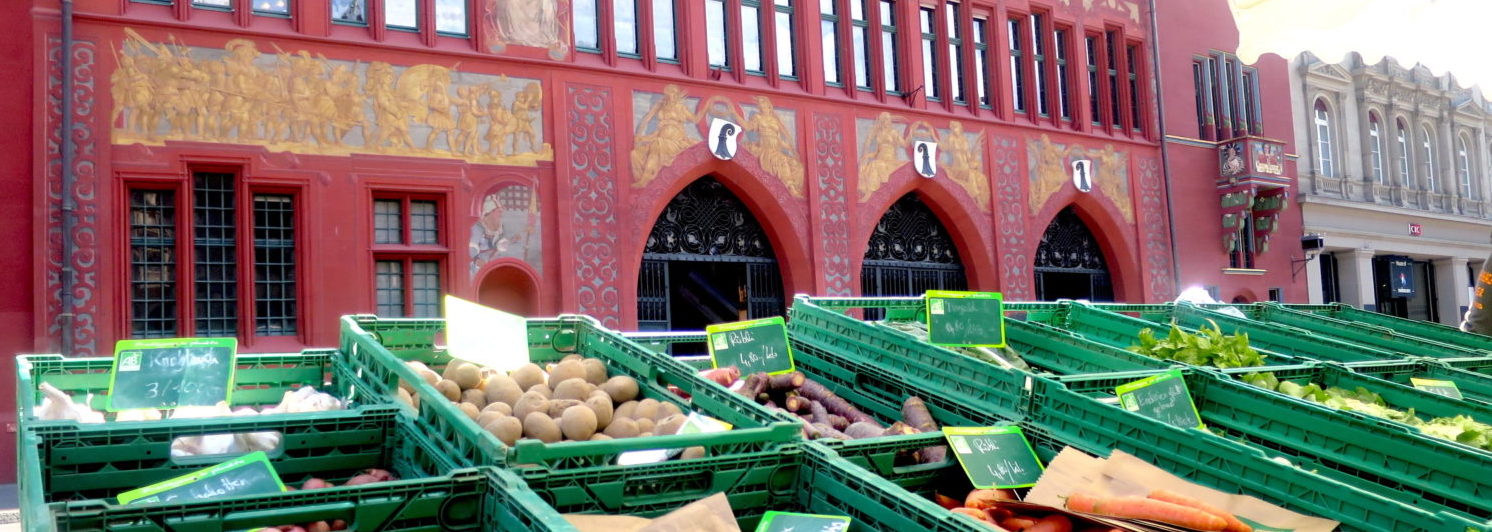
[
  {"x": 404, "y": 397},
  {"x": 475, "y": 396},
  {"x": 645, "y": 424},
  {"x": 669, "y": 425},
  {"x": 569, "y": 369},
  {"x": 466, "y": 375},
  {"x": 543, "y": 389},
  {"x": 449, "y": 389},
  {"x": 621, "y": 388},
  {"x": 530, "y": 402},
  {"x": 983, "y": 499},
  {"x": 507, "y": 429},
  {"x": 501, "y": 408},
  {"x": 646, "y": 409},
  {"x": 502, "y": 388},
  {"x": 601, "y": 406},
  {"x": 541, "y": 427},
  {"x": 600, "y": 437},
  {"x": 595, "y": 370},
  {"x": 576, "y": 389},
  {"x": 484, "y": 417},
  {"x": 571, "y": 356},
  {"x": 622, "y": 428},
  {"x": 470, "y": 410},
  {"x": 648, "y": 434},
  {"x": 625, "y": 409},
  {"x": 666, "y": 409},
  {"x": 557, "y": 407},
  {"x": 527, "y": 376},
  {"x": 578, "y": 423},
  {"x": 691, "y": 453}
]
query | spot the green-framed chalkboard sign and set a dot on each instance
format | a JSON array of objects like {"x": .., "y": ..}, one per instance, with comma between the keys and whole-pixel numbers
[
  {"x": 965, "y": 319},
  {"x": 250, "y": 474},
  {"x": 1163, "y": 397},
  {"x": 1437, "y": 387},
  {"x": 168, "y": 373},
  {"x": 795, "y": 522},
  {"x": 751, "y": 346},
  {"x": 995, "y": 457}
]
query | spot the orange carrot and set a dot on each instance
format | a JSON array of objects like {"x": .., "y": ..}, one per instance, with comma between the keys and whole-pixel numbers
[
  {"x": 1143, "y": 508},
  {"x": 1234, "y": 525}
]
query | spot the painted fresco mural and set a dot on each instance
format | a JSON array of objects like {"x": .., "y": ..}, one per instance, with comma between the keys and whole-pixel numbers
[
  {"x": 667, "y": 124},
  {"x": 537, "y": 23},
  {"x": 507, "y": 227},
  {"x": 886, "y": 143},
  {"x": 1051, "y": 169},
  {"x": 304, "y": 103}
]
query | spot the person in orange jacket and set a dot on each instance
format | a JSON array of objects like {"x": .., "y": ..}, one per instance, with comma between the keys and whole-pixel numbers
[{"x": 1478, "y": 318}]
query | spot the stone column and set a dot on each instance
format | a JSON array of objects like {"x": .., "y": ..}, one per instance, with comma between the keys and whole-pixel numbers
[
  {"x": 1355, "y": 274},
  {"x": 1314, "y": 285},
  {"x": 1451, "y": 281}
]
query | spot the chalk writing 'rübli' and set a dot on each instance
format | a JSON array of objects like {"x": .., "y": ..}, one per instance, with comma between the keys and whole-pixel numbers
[
  {"x": 984, "y": 445},
  {"x": 740, "y": 337}
]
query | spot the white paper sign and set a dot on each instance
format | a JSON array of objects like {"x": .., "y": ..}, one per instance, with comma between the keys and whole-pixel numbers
[{"x": 485, "y": 336}]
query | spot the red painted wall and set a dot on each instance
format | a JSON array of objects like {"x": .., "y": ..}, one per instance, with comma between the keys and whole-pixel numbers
[
  {"x": 1189, "y": 28},
  {"x": 17, "y": 215}
]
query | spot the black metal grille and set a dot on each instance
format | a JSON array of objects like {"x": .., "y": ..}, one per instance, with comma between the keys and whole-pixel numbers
[
  {"x": 388, "y": 222},
  {"x": 426, "y": 289},
  {"x": 152, "y": 263},
  {"x": 1069, "y": 262},
  {"x": 215, "y": 255},
  {"x": 763, "y": 290},
  {"x": 274, "y": 265},
  {"x": 910, "y": 252},
  {"x": 706, "y": 219},
  {"x": 652, "y": 296},
  {"x": 423, "y": 223},
  {"x": 389, "y": 288}
]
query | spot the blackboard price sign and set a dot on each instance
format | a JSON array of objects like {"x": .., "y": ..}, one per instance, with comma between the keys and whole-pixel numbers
[
  {"x": 751, "y": 346},
  {"x": 965, "y": 319},
  {"x": 791, "y": 522},
  {"x": 250, "y": 474},
  {"x": 1437, "y": 387},
  {"x": 995, "y": 457},
  {"x": 168, "y": 373},
  {"x": 1163, "y": 397}
]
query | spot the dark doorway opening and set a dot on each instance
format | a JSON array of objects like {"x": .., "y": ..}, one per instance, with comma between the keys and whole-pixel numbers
[
  {"x": 706, "y": 261},
  {"x": 1069, "y": 262},
  {"x": 1422, "y": 305},
  {"x": 910, "y": 252}
]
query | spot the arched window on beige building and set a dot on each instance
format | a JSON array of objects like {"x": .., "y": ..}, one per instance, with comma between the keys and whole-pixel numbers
[
  {"x": 1324, "y": 161},
  {"x": 1375, "y": 148},
  {"x": 1402, "y": 139},
  {"x": 1463, "y": 167},
  {"x": 1427, "y": 152}
]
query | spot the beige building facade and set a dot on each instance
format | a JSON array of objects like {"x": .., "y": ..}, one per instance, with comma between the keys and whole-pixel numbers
[{"x": 1396, "y": 177}]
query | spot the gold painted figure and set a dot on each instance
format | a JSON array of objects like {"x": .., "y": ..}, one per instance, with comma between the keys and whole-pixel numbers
[
  {"x": 967, "y": 166},
  {"x": 772, "y": 146},
  {"x": 1050, "y": 172},
  {"x": 881, "y": 155},
  {"x": 652, "y": 151}
]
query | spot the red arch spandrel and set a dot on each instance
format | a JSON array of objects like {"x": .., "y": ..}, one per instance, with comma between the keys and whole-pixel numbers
[
  {"x": 952, "y": 207},
  {"x": 1115, "y": 236}
]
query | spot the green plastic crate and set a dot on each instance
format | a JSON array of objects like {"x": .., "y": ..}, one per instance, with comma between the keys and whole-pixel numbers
[
  {"x": 259, "y": 380},
  {"x": 62, "y": 465},
  {"x": 1437, "y": 332},
  {"x": 1277, "y": 339},
  {"x": 377, "y": 350},
  {"x": 1387, "y": 338},
  {"x": 795, "y": 478},
  {"x": 466, "y": 500},
  {"x": 1095, "y": 428},
  {"x": 1474, "y": 386},
  {"x": 1377, "y": 455}
]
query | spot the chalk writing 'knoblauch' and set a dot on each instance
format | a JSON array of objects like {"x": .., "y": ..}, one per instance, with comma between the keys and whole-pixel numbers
[{"x": 184, "y": 358}]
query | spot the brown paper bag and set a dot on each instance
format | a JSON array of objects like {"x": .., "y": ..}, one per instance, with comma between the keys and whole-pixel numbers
[
  {"x": 1123, "y": 475},
  {"x": 710, "y": 514}
]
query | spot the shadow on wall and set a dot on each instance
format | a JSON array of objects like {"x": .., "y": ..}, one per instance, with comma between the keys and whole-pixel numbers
[{"x": 509, "y": 289}]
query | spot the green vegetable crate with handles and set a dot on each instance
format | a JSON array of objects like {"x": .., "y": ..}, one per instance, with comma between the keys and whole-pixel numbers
[
  {"x": 1404, "y": 343},
  {"x": 1389, "y": 458},
  {"x": 1475, "y": 387},
  {"x": 975, "y": 386},
  {"x": 71, "y": 476},
  {"x": 378, "y": 349},
  {"x": 1435, "y": 332}
]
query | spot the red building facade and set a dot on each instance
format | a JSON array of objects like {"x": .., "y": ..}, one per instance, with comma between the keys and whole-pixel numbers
[
  {"x": 1229, "y": 150},
  {"x": 250, "y": 170}
]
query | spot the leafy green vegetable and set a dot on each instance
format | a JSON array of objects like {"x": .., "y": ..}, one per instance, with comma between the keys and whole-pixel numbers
[
  {"x": 1460, "y": 429},
  {"x": 1208, "y": 347}
]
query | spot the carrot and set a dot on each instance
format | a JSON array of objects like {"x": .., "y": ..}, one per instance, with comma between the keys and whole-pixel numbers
[
  {"x": 786, "y": 381},
  {"x": 1051, "y": 523},
  {"x": 1234, "y": 525},
  {"x": 723, "y": 376},
  {"x": 1143, "y": 508},
  {"x": 946, "y": 501},
  {"x": 834, "y": 403},
  {"x": 978, "y": 515},
  {"x": 915, "y": 412},
  {"x": 1018, "y": 523}
]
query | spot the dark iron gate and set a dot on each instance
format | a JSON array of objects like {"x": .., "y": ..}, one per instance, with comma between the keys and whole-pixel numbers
[
  {"x": 1069, "y": 262},
  {"x": 910, "y": 252},
  {"x": 706, "y": 260}
]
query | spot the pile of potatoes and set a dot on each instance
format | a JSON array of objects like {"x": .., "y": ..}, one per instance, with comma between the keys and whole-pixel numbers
[{"x": 571, "y": 400}]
